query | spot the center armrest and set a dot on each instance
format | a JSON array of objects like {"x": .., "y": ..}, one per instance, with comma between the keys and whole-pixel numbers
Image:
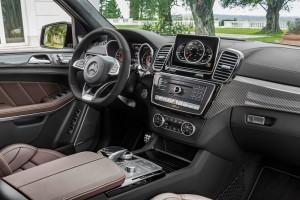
[{"x": 78, "y": 176}]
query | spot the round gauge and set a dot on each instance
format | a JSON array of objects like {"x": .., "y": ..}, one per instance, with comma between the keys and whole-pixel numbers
[
  {"x": 208, "y": 55},
  {"x": 119, "y": 56},
  {"x": 180, "y": 52},
  {"x": 146, "y": 61},
  {"x": 194, "y": 51},
  {"x": 145, "y": 57}
]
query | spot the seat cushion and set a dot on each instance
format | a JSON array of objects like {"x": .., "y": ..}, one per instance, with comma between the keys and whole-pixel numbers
[
  {"x": 171, "y": 196},
  {"x": 18, "y": 157}
]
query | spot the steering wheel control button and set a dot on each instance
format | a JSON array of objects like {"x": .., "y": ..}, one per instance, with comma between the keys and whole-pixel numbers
[
  {"x": 79, "y": 64},
  {"x": 158, "y": 120},
  {"x": 188, "y": 129}
]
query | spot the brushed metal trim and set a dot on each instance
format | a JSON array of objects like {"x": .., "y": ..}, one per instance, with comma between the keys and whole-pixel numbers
[{"x": 269, "y": 85}]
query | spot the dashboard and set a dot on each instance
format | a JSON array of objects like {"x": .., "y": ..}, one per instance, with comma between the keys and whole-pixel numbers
[{"x": 196, "y": 81}]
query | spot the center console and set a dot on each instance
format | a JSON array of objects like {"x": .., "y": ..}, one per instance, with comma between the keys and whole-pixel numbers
[
  {"x": 181, "y": 93},
  {"x": 137, "y": 169}
]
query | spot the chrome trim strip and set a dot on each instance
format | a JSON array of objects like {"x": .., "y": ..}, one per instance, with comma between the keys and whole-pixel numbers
[{"x": 269, "y": 85}]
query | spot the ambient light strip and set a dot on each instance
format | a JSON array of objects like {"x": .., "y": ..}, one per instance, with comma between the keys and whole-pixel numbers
[{"x": 269, "y": 85}]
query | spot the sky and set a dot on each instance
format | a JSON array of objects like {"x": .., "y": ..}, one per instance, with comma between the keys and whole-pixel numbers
[{"x": 218, "y": 9}]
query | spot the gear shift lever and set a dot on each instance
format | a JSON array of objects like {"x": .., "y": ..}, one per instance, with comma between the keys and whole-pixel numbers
[
  {"x": 116, "y": 155},
  {"x": 115, "y": 152}
]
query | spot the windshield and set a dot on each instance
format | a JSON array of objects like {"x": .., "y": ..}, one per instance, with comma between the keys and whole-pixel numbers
[{"x": 276, "y": 21}]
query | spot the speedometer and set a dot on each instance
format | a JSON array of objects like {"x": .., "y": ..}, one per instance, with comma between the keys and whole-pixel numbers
[
  {"x": 194, "y": 51},
  {"x": 146, "y": 57}
]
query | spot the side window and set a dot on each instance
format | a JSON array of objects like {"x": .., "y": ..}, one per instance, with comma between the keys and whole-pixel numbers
[{"x": 21, "y": 21}]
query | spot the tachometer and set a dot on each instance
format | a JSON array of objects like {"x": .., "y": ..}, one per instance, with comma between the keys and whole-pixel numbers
[
  {"x": 208, "y": 55},
  {"x": 180, "y": 52},
  {"x": 194, "y": 51}
]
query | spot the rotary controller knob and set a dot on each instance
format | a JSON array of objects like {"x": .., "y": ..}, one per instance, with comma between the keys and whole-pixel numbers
[
  {"x": 188, "y": 129},
  {"x": 130, "y": 169},
  {"x": 158, "y": 120}
]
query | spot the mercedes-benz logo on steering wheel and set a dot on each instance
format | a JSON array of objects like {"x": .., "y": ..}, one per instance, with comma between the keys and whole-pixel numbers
[{"x": 92, "y": 69}]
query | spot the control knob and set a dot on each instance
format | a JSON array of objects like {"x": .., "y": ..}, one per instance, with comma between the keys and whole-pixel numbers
[
  {"x": 130, "y": 169},
  {"x": 158, "y": 120},
  {"x": 188, "y": 129}
]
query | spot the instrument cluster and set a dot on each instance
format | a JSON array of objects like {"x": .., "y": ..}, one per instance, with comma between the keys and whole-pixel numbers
[{"x": 142, "y": 55}]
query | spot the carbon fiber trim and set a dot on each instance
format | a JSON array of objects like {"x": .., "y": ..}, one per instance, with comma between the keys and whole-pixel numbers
[{"x": 256, "y": 93}]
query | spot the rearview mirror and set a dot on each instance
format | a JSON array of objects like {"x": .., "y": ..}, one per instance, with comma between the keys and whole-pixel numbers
[{"x": 57, "y": 35}]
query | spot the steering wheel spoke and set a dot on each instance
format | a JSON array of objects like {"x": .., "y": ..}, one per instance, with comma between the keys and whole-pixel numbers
[
  {"x": 79, "y": 64},
  {"x": 89, "y": 93},
  {"x": 115, "y": 65}
]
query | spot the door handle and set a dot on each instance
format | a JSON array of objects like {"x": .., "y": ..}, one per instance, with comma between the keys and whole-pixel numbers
[{"x": 39, "y": 59}]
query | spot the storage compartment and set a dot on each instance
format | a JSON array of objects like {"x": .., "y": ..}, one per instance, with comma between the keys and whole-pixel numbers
[
  {"x": 271, "y": 133},
  {"x": 168, "y": 162},
  {"x": 79, "y": 176}
]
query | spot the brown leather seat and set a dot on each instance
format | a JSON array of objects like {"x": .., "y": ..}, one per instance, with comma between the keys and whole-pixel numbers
[
  {"x": 171, "y": 196},
  {"x": 18, "y": 157}
]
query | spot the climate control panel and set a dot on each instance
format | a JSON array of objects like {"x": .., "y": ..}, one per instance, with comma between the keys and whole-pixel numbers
[{"x": 173, "y": 124}]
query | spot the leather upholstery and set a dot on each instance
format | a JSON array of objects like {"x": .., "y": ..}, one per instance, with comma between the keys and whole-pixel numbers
[
  {"x": 78, "y": 176},
  {"x": 19, "y": 157},
  {"x": 171, "y": 196}
]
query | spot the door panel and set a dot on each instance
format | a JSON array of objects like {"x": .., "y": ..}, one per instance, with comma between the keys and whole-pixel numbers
[{"x": 37, "y": 107}]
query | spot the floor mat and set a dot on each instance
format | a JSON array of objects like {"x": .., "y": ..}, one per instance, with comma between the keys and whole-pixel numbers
[{"x": 276, "y": 185}]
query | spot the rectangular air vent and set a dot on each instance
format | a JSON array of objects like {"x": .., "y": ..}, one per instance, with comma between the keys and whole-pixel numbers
[
  {"x": 226, "y": 65},
  {"x": 161, "y": 57}
]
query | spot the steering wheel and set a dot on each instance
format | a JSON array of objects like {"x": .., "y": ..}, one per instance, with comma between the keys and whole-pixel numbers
[{"x": 101, "y": 72}]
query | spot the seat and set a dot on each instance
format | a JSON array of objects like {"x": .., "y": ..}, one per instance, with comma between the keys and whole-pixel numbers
[
  {"x": 18, "y": 157},
  {"x": 171, "y": 196}
]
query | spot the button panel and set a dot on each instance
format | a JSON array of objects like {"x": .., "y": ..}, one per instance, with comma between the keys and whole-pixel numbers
[{"x": 175, "y": 125}]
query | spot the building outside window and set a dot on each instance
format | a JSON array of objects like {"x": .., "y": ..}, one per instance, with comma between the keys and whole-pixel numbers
[{"x": 21, "y": 21}]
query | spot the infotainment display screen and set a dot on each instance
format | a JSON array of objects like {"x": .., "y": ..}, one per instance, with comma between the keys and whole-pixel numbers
[{"x": 195, "y": 53}]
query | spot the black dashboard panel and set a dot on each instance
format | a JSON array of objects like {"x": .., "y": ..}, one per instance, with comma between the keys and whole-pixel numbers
[
  {"x": 195, "y": 53},
  {"x": 276, "y": 64}
]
